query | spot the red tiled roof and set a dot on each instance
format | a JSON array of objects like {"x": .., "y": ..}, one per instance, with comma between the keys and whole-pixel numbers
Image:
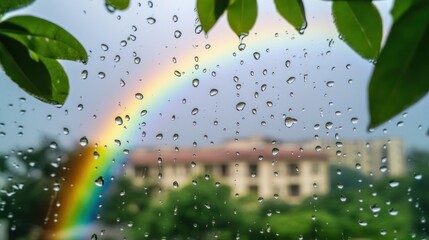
[{"x": 219, "y": 155}]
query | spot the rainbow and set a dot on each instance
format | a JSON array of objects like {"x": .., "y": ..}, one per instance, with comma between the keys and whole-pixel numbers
[{"x": 80, "y": 196}]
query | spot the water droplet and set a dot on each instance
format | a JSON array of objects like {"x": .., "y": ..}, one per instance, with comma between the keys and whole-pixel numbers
[
  {"x": 354, "y": 120},
  {"x": 240, "y": 106},
  {"x": 393, "y": 212},
  {"x": 193, "y": 164},
  {"x": 213, "y": 92},
  {"x": 177, "y": 34},
  {"x": 53, "y": 145},
  {"x": 94, "y": 237},
  {"x": 177, "y": 73},
  {"x": 117, "y": 58},
  {"x": 99, "y": 182},
  {"x": 198, "y": 29},
  {"x": 400, "y": 124},
  {"x": 329, "y": 125},
  {"x": 66, "y": 131},
  {"x": 330, "y": 83},
  {"x": 289, "y": 121},
  {"x": 137, "y": 60},
  {"x": 418, "y": 176},
  {"x": 175, "y": 184},
  {"x": 287, "y": 63},
  {"x": 101, "y": 75},
  {"x": 83, "y": 141},
  {"x": 374, "y": 208},
  {"x": 84, "y": 74},
  {"x": 275, "y": 151},
  {"x": 363, "y": 223},
  {"x": 256, "y": 55},
  {"x": 159, "y": 136},
  {"x": 143, "y": 112},
  {"x": 139, "y": 96},
  {"x": 118, "y": 120},
  {"x": 104, "y": 47},
  {"x": 151, "y": 20},
  {"x": 194, "y": 111},
  {"x": 290, "y": 80},
  {"x": 175, "y": 18},
  {"x": 80, "y": 107},
  {"x": 393, "y": 183},
  {"x": 123, "y": 43},
  {"x": 175, "y": 136}
]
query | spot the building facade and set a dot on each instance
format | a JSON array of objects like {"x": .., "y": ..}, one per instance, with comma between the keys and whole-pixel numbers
[{"x": 254, "y": 166}]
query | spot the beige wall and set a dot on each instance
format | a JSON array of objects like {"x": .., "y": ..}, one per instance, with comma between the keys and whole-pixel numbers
[{"x": 272, "y": 177}]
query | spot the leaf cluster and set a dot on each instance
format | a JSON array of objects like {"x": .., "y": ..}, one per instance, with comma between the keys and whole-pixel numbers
[
  {"x": 400, "y": 77},
  {"x": 29, "y": 49}
]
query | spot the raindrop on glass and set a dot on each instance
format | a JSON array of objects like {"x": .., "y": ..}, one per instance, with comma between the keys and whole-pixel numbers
[
  {"x": 240, "y": 106},
  {"x": 83, "y": 141},
  {"x": 213, "y": 92},
  {"x": 99, "y": 182},
  {"x": 151, "y": 20},
  {"x": 139, "y": 96}
]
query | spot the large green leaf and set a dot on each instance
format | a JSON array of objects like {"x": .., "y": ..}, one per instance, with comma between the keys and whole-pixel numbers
[
  {"x": 209, "y": 11},
  {"x": 242, "y": 15},
  {"x": 31, "y": 75},
  {"x": 401, "y": 75},
  {"x": 293, "y": 11},
  {"x": 9, "y": 5},
  {"x": 43, "y": 37},
  {"x": 401, "y": 6},
  {"x": 119, "y": 4},
  {"x": 59, "y": 80},
  {"x": 360, "y": 24}
]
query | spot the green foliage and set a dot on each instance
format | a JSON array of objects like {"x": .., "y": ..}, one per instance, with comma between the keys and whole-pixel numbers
[
  {"x": 400, "y": 77},
  {"x": 9, "y": 5},
  {"x": 242, "y": 15},
  {"x": 43, "y": 37},
  {"x": 125, "y": 201},
  {"x": 293, "y": 11},
  {"x": 196, "y": 211},
  {"x": 119, "y": 4},
  {"x": 32, "y": 74},
  {"x": 360, "y": 25},
  {"x": 28, "y": 194},
  {"x": 29, "y": 47},
  {"x": 210, "y": 11}
]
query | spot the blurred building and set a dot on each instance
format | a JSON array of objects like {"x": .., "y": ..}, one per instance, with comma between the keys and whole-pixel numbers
[
  {"x": 375, "y": 157},
  {"x": 253, "y": 166}
]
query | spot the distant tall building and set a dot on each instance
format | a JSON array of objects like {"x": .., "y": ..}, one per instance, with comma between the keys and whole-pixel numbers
[
  {"x": 377, "y": 157},
  {"x": 252, "y": 166}
]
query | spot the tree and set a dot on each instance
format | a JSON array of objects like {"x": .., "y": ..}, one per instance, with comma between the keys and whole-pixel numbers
[
  {"x": 29, "y": 193},
  {"x": 200, "y": 210}
]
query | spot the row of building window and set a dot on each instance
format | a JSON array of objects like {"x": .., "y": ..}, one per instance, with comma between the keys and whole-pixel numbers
[{"x": 224, "y": 169}]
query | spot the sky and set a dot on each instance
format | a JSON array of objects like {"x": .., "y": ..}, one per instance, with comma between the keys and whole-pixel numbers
[{"x": 160, "y": 60}]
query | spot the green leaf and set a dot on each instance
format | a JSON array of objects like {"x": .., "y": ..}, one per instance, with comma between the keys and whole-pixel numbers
[
  {"x": 242, "y": 15},
  {"x": 43, "y": 37},
  {"x": 401, "y": 6},
  {"x": 32, "y": 76},
  {"x": 9, "y": 5},
  {"x": 401, "y": 75},
  {"x": 209, "y": 11},
  {"x": 360, "y": 24},
  {"x": 119, "y": 4},
  {"x": 59, "y": 80},
  {"x": 293, "y": 12}
]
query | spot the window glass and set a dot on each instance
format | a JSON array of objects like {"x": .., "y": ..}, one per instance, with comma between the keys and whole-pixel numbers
[{"x": 168, "y": 132}]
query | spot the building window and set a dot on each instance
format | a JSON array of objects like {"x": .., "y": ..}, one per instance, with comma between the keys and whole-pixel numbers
[
  {"x": 294, "y": 190},
  {"x": 315, "y": 168},
  {"x": 141, "y": 171},
  {"x": 253, "y": 170},
  {"x": 293, "y": 169},
  {"x": 208, "y": 169},
  {"x": 224, "y": 170},
  {"x": 253, "y": 189}
]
